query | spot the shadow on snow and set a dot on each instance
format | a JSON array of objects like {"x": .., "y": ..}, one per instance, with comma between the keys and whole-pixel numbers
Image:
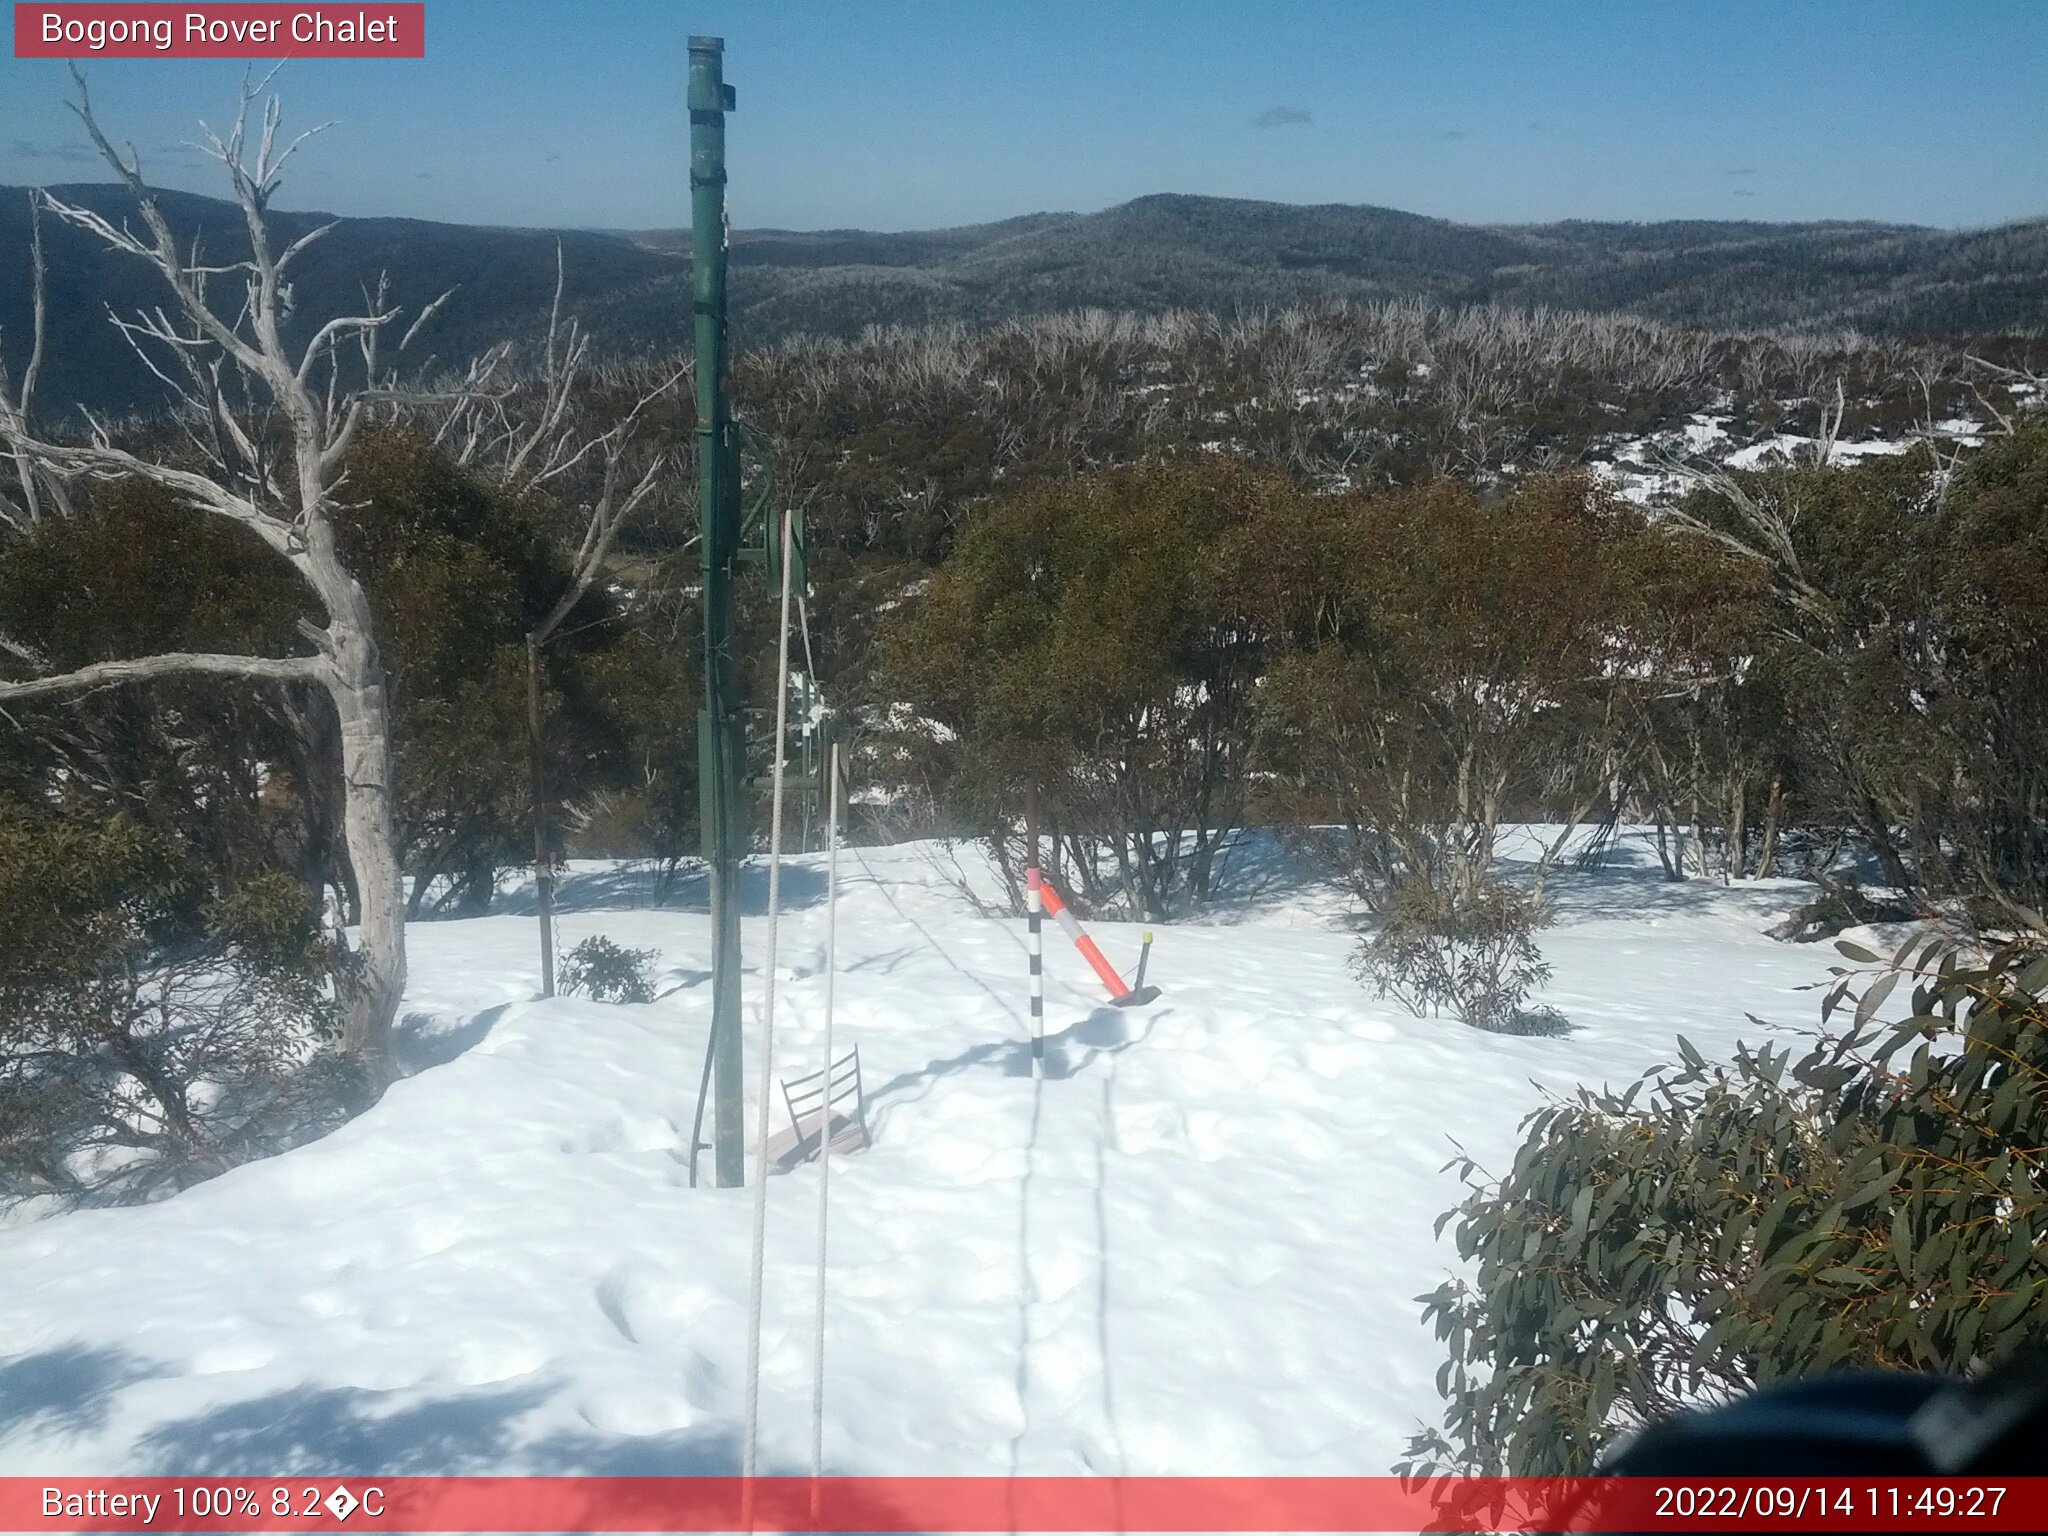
[
  {"x": 624, "y": 887},
  {"x": 318, "y": 1430}
]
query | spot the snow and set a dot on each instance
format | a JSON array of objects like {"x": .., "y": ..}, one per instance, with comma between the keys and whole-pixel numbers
[
  {"x": 904, "y": 718},
  {"x": 1633, "y": 465},
  {"x": 1874, "y": 448},
  {"x": 1632, "y": 482},
  {"x": 1704, "y": 432},
  {"x": 1788, "y": 447},
  {"x": 1194, "y": 1248}
]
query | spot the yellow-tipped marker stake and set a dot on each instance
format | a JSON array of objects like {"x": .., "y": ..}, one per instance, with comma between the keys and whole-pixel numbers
[
  {"x": 1120, "y": 996},
  {"x": 1144, "y": 954}
]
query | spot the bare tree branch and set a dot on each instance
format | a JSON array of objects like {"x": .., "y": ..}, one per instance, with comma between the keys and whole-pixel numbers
[
  {"x": 21, "y": 652},
  {"x": 196, "y": 490},
  {"x": 606, "y": 519},
  {"x": 107, "y": 674},
  {"x": 1830, "y": 426},
  {"x": 283, "y": 492},
  {"x": 1768, "y": 526},
  {"x": 38, "y": 271},
  {"x": 21, "y": 407}
]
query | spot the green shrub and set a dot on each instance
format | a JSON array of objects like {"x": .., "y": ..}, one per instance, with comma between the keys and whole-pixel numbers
[
  {"x": 1102, "y": 634},
  {"x": 599, "y": 969},
  {"x": 152, "y": 1033},
  {"x": 1880, "y": 1203},
  {"x": 1471, "y": 955}
]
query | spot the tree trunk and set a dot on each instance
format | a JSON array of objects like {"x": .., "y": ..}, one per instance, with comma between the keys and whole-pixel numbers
[
  {"x": 1735, "y": 859},
  {"x": 1877, "y": 827},
  {"x": 1767, "y": 855},
  {"x": 376, "y": 979},
  {"x": 425, "y": 871},
  {"x": 317, "y": 757},
  {"x": 1674, "y": 867},
  {"x": 475, "y": 888},
  {"x": 543, "y": 856}
]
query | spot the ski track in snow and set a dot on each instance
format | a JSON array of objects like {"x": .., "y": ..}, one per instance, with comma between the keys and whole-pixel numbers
[{"x": 1194, "y": 1248}]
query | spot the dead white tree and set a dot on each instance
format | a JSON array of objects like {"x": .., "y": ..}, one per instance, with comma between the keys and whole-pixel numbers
[
  {"x": 529, "y": 436},
  {"x": 1830, "y": 430},
  {"x": 1946, "y": 452},
  {"x": 2034, "y": 386},
  {"x": 272, "y": 425},
  {"x": 23, "y": 509},
  {"x": 1763, "y": 526}
]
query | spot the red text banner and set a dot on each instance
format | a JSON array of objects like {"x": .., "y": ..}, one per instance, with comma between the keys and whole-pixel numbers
[
  {"x": 220, "y": 31},
  {"x": 1050, "y": 1504}
]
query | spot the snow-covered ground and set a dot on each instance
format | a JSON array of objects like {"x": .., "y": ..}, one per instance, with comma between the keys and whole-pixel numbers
[
  {"x": 1195, "y": 1247},
  {"x": 1644, "y": 469}
]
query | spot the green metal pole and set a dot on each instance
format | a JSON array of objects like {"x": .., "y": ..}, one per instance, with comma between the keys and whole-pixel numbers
[{"x": 719, "y": 728}]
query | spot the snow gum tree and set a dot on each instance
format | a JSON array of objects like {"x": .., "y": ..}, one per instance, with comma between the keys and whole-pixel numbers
[
  {"x": 267, "y": 428},
  {"x": 1900, "y": 616},
  {"x": 1102, "y": 637},
  {"x": 1454, "y": 664}
]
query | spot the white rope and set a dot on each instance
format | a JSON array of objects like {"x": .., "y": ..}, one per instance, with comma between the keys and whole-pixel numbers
[
  {"x": 803, "y": 618},
  {"x": 767, "y": 1086},
  {"x": 825, "y": 1133}
]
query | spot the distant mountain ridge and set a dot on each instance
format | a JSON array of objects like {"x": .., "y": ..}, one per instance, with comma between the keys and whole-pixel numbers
[{"x": 1159, "y": 252}]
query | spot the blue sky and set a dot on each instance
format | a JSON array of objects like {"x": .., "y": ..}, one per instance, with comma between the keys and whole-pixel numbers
[{"x": 902, "y": 114}]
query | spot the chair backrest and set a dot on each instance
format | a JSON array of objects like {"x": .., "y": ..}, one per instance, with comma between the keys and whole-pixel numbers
[{"x": 811, "y": 1094}]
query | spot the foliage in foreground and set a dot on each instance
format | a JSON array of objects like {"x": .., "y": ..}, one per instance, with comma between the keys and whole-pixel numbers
[
  {"x": 152, "y": 1033},
  {"x": 1881, "y": 1202}
]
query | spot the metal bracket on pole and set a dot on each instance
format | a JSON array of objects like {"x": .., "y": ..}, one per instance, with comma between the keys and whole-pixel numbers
[
  {"x": 708, "y": 90},
  {"x": 760, "y": 525}
]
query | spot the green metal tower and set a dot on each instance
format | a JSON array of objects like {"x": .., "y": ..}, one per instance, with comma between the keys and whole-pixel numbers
[{"x": 720, "y": 731}]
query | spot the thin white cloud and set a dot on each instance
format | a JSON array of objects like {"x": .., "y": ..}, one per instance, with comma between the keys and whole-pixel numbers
[{"x": 1284, "y": 117}]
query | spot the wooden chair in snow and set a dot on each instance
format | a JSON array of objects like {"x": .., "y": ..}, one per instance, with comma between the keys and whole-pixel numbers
[{"x": 832, "y": 1102}]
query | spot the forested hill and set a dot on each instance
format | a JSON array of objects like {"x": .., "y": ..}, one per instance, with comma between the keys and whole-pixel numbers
[
  {"x": 1219, "y": 253},
  {"x": 1154, "y": 253},
  {"x": 505, "y": 280}
]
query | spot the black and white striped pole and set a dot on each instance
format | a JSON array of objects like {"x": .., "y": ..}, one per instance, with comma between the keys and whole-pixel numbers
[
  {"x": 1035, "y": 907},
  {"x": 1036, "y": 891}
]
